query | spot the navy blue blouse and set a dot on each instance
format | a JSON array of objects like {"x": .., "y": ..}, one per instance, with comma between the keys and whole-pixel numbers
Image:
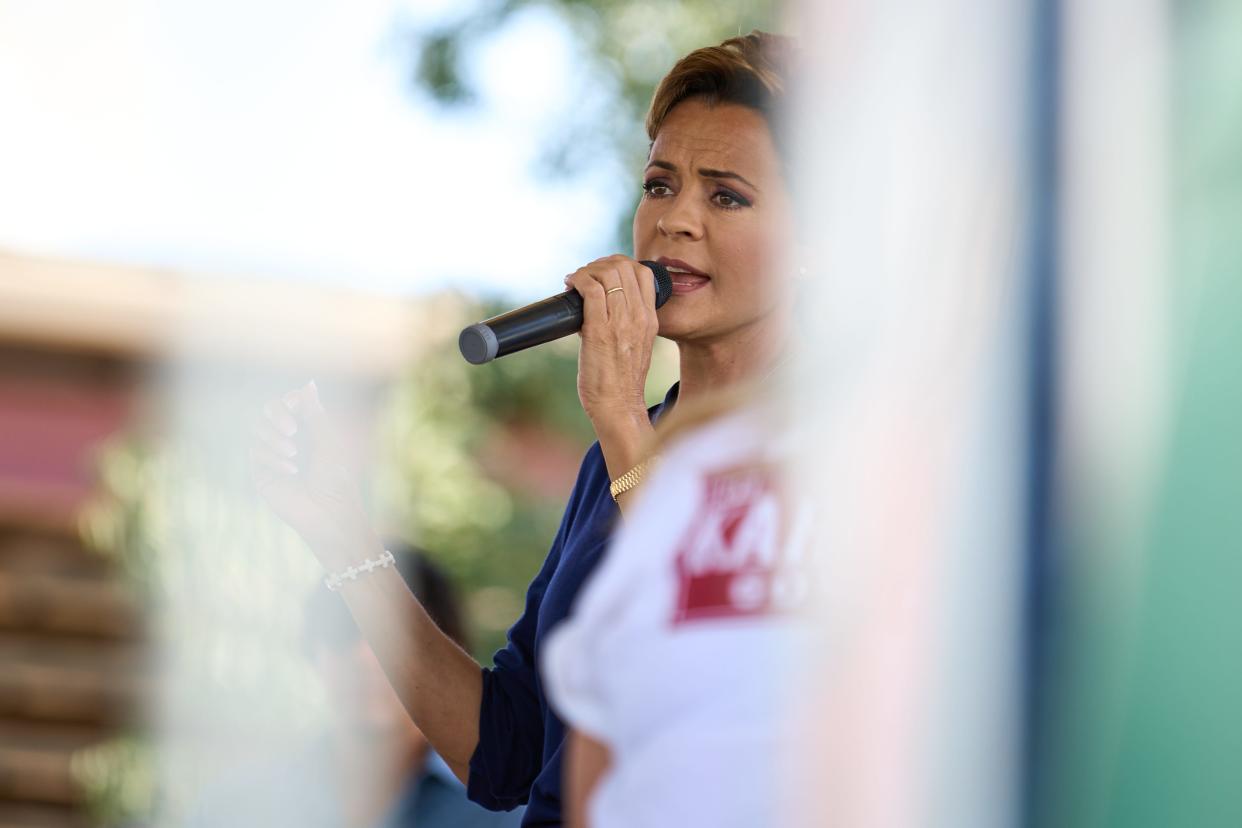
[{"x": 518, "y": 759}]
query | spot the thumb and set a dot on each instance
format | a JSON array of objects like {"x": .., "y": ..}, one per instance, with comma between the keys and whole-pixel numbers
[
  {"x": 313, "y": 405},
  {"x": 305, "y": 404},
  {"x": 310, "y": 409}
]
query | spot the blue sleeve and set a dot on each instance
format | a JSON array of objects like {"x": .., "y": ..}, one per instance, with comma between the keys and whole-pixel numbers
[{"x": 509, "y": 754}]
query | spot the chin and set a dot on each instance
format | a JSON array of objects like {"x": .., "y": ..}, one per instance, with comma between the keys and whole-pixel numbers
[{"x": 679, "y": 322}]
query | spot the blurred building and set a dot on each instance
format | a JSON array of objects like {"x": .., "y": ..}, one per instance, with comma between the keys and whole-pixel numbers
[
  {"x": 80, "y": 348},
  {"x": 70, "y": 630}
]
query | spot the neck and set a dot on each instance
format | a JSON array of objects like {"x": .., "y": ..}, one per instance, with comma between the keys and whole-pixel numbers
[{"x": 708, "y": 366}]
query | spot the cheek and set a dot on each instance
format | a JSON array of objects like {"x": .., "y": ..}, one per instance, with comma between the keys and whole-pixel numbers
[
  {"x": 644, "y": 225},
  {"x": 758, "y": 264},
  {"x": 755, "y": 253}
]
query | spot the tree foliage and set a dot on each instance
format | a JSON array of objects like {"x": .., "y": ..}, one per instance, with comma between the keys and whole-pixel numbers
[
  {"x": 437, "y": 486},
  {"x": 624, "y": 48}
]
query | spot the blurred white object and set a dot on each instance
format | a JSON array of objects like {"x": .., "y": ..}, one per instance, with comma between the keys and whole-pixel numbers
[
  {"x": 678, "y": 650},
  {"x": 914, "y": 190}
]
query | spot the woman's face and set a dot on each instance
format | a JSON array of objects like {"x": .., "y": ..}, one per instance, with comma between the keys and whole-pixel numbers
[{"x": 716, "y": 212}]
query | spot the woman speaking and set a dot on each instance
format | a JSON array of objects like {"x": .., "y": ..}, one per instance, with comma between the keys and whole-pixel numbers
[{"x": 716, "y": 212}]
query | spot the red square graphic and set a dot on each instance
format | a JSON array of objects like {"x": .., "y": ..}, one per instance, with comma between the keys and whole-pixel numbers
[{"x": 740, "y": 555}]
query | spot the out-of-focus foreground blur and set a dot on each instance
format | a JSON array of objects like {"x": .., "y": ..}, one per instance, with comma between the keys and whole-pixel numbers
[
  {"x": 1028, "y": 304},
  {"x": 1022, "y": 338}
]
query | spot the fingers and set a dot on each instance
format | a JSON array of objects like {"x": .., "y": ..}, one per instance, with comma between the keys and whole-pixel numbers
[
  {"x": 274, "y": 440},
  {"x": 629, "y": 288},
  {"x": 625, "y": 286},
  {"x": 617, "y": 333},
  {"x": 594, "y": 303},
  {"x": 639, "y": 283},
  {"x": 274, "y": 449},
  {"x": 278, "y": 414},
  {"x": 269, "y": 464},
  {"x": 302, "y": 403},
  {"x": 273, "y": 452}
]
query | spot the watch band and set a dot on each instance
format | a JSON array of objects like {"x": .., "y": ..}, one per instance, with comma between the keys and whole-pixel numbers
[{"x": 630, "y": 479}]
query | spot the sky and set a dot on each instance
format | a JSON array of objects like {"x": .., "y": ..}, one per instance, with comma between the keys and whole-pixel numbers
[{"x": 283, "y": 140}]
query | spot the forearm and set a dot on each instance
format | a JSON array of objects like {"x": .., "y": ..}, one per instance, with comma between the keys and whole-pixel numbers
[{"x": 439, "y": 684}]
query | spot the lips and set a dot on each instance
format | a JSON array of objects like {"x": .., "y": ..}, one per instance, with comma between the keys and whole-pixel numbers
[{"x": 686, "y": 278}]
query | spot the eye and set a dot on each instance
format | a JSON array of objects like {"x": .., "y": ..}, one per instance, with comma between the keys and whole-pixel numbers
[
  {"x": 729, "y": 200},
  {"x": 657, "y": 187}
]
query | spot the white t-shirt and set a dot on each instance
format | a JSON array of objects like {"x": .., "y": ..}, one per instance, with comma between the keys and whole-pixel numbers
[{"x": 677, "y": 653}]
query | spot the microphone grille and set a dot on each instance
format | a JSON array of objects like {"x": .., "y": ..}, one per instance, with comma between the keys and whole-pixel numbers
[{"x": 664, "y": 282}]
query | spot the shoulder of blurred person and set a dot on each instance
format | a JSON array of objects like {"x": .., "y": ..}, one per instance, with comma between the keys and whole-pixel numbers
[
  {"x": 696, "y": 606},
  {"x": 745, "y": 432},
  {"x": 753, "y": 402}
]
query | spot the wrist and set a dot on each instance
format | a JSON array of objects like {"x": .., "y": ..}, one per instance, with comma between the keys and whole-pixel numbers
[
  {"x": 347, "y": 549},
  {"x": 623, "y": 440},
  {"x": 619, "y": 417},
  {"x": 335, "y": 580},
  {"x": 626, "y": 482},
  {"x": 629, "y": 429}
]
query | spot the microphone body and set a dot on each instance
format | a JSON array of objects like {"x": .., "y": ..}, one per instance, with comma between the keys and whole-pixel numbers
[{"x": 540, "y": 322}]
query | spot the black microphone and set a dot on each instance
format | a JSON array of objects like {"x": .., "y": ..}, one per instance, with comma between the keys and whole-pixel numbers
[{"x": 541, "y": 322}]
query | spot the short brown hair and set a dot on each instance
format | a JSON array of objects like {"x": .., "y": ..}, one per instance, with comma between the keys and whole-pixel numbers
[{"x": 749, "y": 70}]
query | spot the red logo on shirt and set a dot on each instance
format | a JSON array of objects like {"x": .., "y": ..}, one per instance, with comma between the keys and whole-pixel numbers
[{"x": 742, "y": 553}]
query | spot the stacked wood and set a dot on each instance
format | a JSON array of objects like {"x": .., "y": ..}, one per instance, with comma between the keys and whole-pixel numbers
[
  {"x": 78, "y": 344},
  {"x": 72, "y": 670}
]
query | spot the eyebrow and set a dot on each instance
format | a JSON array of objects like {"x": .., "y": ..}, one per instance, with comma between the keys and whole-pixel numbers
[{"x": 703, "y": 171}]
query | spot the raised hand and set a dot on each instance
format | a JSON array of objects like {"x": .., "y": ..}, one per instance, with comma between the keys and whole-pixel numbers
[{"x": 300, "y": 470}]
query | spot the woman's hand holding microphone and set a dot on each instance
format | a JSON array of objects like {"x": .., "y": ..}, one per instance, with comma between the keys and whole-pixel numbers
[{"x": 619, "y": 327}]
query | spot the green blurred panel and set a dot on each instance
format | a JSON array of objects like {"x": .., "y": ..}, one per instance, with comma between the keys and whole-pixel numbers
[
  {"x": 1146, "y": 725},
  {"x": 1180, "y": 761}
]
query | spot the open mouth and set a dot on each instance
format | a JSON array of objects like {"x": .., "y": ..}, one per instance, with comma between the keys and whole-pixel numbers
[{"x": 686, "y": 278}]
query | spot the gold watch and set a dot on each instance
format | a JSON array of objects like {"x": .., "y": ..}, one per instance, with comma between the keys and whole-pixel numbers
[{"x": 630, "y": 479}]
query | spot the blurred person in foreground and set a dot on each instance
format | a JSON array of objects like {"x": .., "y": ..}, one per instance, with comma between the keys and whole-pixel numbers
[
  {"x": 371, "y": 767},
  {"x": 716, "y": 211},
  {"x": 674, "y": 667}
]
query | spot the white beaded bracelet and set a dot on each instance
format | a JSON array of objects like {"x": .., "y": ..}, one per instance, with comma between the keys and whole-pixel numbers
[{"x": 334, "y": 581}]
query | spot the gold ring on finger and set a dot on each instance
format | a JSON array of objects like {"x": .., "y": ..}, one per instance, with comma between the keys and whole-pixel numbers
[{"x": 612, "y": 290}]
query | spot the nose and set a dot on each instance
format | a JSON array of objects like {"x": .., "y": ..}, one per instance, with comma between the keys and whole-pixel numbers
[{"x": 680, "y": 219}]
